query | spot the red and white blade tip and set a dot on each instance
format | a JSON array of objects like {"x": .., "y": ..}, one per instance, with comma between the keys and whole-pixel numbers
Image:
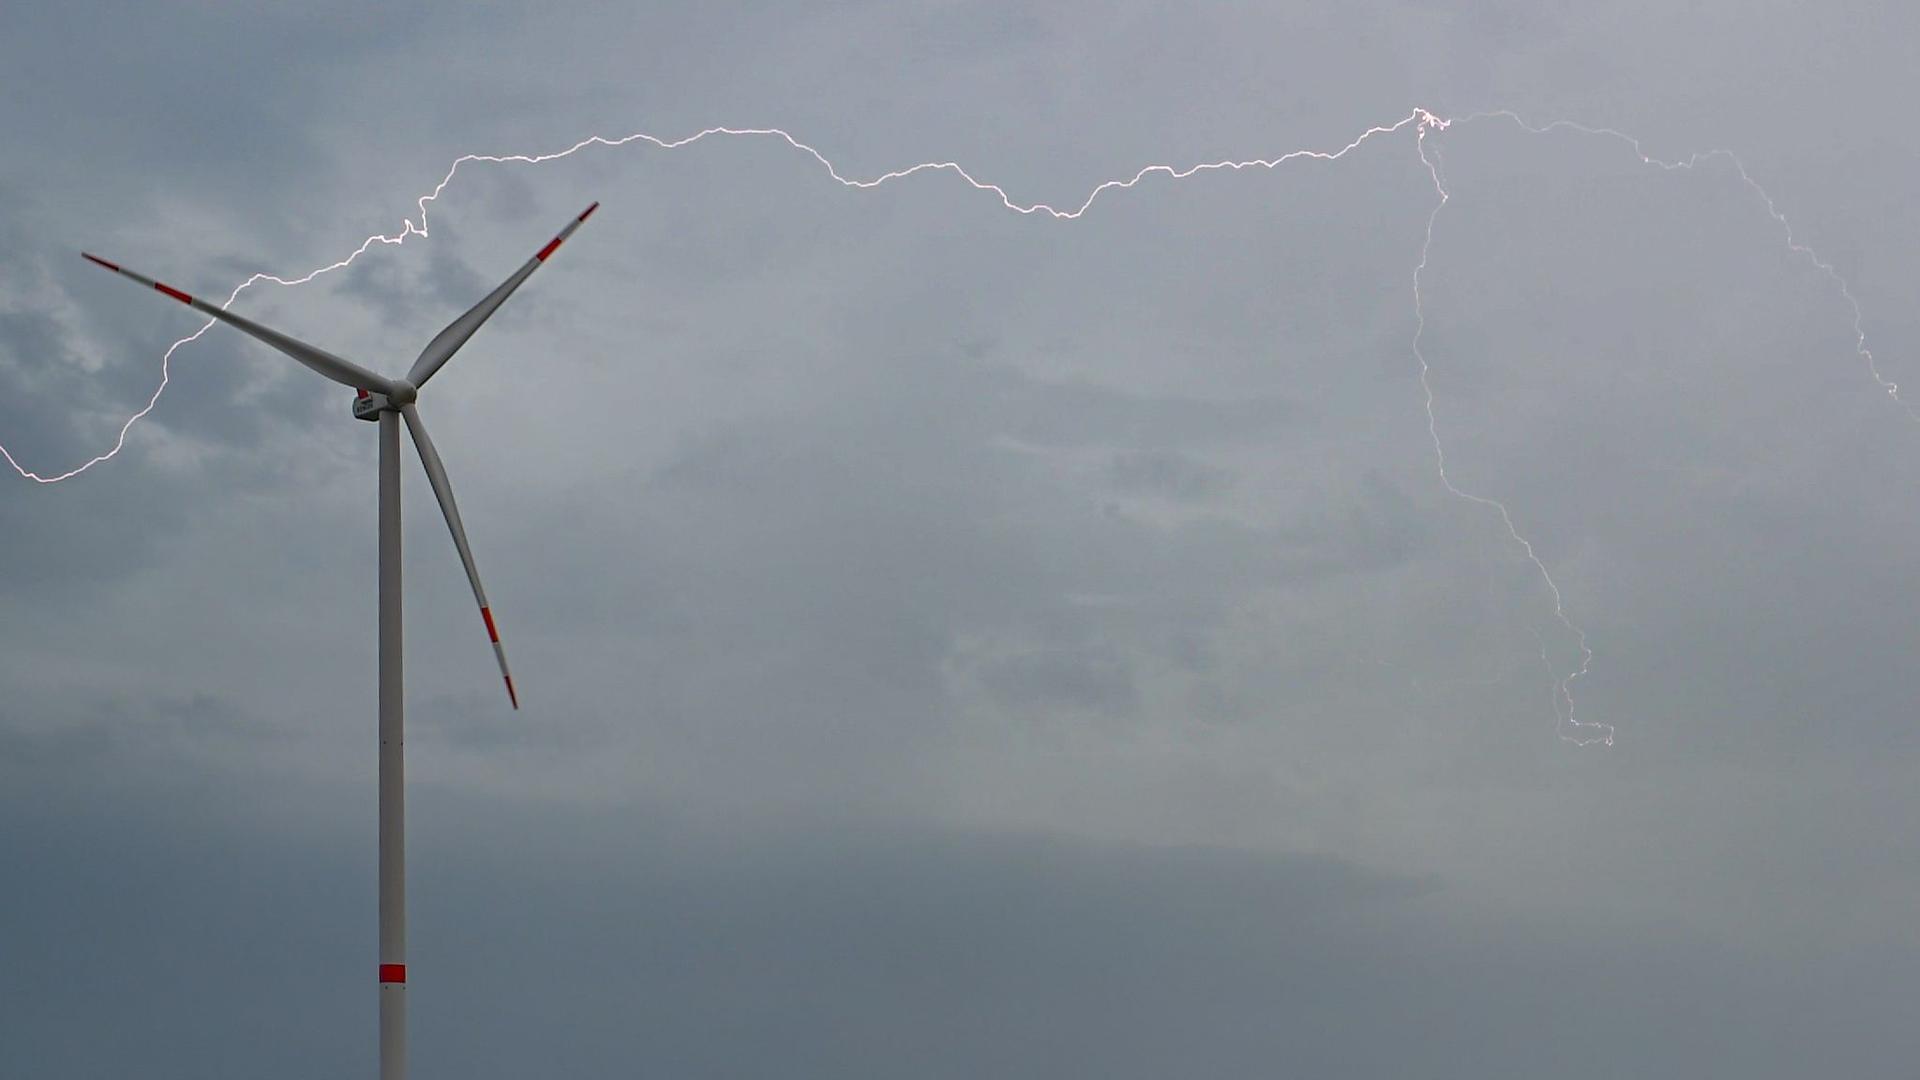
[
  {"x": 555, "y": 243},
  {"x": 159, "y": 285},
  {"x": 493, "y": 635}
]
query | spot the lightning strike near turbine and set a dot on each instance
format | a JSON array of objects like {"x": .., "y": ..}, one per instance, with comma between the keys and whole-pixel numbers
[{"x": 1423, "y": 123}]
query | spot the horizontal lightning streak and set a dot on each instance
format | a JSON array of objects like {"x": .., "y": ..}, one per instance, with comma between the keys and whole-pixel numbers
[
  {"x": 1422, "y": 121},
  {"x": 409, "y": 228}
]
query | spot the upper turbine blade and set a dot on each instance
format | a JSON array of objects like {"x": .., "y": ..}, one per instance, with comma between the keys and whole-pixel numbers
[
  {"x": 333, "y": 367},
  {"x": 448, "y": 341},
  {"x": 443, "y": 491}
]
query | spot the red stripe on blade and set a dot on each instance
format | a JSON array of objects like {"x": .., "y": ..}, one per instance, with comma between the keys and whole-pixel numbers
[
  {"x": 97, "y": 259},
  {"x": 173, "y": 292},
  {"x": 487, "y": 614},
  {"x": 548, "y": 250},
  {"x": 393, "y": 973},
  {"x": 588, "y": 212},
  {"x": 511, "y": 696}
]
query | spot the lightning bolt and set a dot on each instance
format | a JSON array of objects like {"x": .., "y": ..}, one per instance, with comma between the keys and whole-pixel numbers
[
  {"x": 1572, "y": 728},
  {"x": 1423, "y": 123}
]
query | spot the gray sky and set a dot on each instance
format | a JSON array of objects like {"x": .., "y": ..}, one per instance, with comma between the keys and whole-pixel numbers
[{"x": 952, "y": 642}]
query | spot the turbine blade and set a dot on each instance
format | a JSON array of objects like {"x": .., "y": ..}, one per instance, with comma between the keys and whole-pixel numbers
[
  {"x": 333, "y": 367},
  {"x": 443, "y": 491},
  {"x": 448, "y": 341}
]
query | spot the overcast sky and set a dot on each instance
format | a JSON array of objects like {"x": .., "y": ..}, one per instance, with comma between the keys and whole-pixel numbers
[{"x": 953, "y": 642}]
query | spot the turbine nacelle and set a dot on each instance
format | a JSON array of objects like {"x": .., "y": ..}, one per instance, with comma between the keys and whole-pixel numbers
[{"x": 368, "y": 405}]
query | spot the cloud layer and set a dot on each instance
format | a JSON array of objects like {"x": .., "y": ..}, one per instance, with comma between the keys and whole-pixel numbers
[{"x": 956, "y": 642}]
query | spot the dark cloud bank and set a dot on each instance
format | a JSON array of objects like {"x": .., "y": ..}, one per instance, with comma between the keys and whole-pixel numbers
[{"x": 585, "y": 944}]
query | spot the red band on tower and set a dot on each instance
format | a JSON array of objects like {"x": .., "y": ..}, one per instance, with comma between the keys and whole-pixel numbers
[{"x": 393, "y": 973}]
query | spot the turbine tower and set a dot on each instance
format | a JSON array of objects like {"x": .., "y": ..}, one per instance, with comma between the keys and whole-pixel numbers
[{"x": 389, "y": 402}]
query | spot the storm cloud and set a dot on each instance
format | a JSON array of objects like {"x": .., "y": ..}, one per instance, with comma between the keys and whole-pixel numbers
[{"x": 955, "y": 642}]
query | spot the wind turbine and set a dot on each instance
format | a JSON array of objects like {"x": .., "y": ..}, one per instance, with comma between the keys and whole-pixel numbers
[{"x": 389, "y": 402}]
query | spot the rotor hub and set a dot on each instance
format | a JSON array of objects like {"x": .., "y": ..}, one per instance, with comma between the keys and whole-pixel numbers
[{"x": 404, "y": 393}]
